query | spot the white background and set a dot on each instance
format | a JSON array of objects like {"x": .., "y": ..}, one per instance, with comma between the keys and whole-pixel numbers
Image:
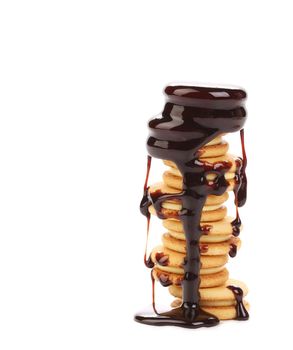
[{"x": 79, "y": 80}]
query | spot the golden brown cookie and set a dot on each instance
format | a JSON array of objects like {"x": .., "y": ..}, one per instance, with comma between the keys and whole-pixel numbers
[
  {"x": 209, "y": 215},
  {"x": 215, "y": 141},
  {"x": 228, "y": 175},
  {"x": 203, "y": 239},
  {"x": 172, "y": 258},
  {"x": 206, "y": 280},
  {"x": 221, "y": 227},
  {"x": 164, "y": 189},
  {"x": 224, "y": 312},
  {"x": 225, "y": 158},
  {"x": 215, "y": 150},
  {"x": 218, "y": 301},
  {"x": 175, "y": 181},
  {"x": 220, "y": 248},
  {"x": 180, "y": 270},
  {"x": 219, "y": 293}
]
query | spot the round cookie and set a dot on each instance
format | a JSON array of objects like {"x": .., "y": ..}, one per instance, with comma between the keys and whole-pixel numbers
[
  {"x": 216, "y": 294},
  {"x": 225, "y": 158},
  {"x": 211, "y": 177},
  {"x": 220, "y": 227},
  {"x": 220, "y": 248},
  {"x": 175, "y": 181},
  {"x": 206, "y": 281},
  {"x": 203, "y": 239},
  {"x": 176, "y": 205},
  {"x": 215, "y": 150},
  {"x": 219, "y": 301},
  {"x": 162, "y": 255},
  {"x": 215, "y": 141},
  {"x": 164, "y": 189},
  {"x": 224, "y": 312},
  {"x": 180, "y": 270},
  {"x": 205, "y": 303},
  {"x": 212, "y": 215}
]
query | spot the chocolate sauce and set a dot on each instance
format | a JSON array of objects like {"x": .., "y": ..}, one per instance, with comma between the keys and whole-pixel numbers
[
  {"x": 148, "y": 262},
  {"x": 240, "y": 188},
  {"x": 162, "y": 259},
  {"x": 233, "y": 250},
  {"x": 236, "y": 224},
  {"x": 192, "y": 117},
  {"x": 144, "y": 208},
  {"x": 242, "y": 191},
  {"x": 164, "y": 280},
  {"x": 149, "y": 163},
  {"x": 203, "y": 248},
  {"x": 241, "y": 312},
  {"x": 153, "y": 293}
]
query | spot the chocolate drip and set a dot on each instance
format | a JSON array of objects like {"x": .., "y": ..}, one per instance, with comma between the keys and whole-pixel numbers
[
  {"x": 148, "y": 262},
  {"x": 236, "y": 224},
  {"x": 242, "y": 191},
  {"x": 164, "y": 280},
  {"x": 157, "y": 198},
  {"x": 240, "y": 188},
  {"x": 204, "y": 248},
  {"x": 192, "y": 117},
  {"x": 233, "y": 250},
  {"x": 153, "y": 293},
  {"x": 205, "y": 229},
  {"x": 149, "y": 162},
  {"x": 144, "y": 209},
  {"x": 241, "y": 312},
  {"x": 144, "y": 203},
  {"x": 162, "y": 259}
]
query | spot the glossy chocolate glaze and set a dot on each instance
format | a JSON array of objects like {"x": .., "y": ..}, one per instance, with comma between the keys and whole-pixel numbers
[
  {"x": 162, "y": 259},
  {"x": 192, "y": 117},
  {"x": 144, "y": 208},
  {"x": 233, "y": 250},
  {"x": 240, "y": 188}
]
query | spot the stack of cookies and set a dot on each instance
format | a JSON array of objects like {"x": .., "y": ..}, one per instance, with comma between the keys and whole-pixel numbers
[{"x": 217, "y": 291}]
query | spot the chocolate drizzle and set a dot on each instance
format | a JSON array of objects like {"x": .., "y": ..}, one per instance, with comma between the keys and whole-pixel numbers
[
  {"x": 149, "y": 163},
  {"x": 162, "y": 259},
  {"x": 236, "y": 224},
  {"x": 192, "y": 117},
  {"x": 144, "y": 208},
  {"x": 164, "y": 280},
  {"x": 233, "y": 250},
  {"x": 148, "y": 262},
  {"x": 240, "y": 188},
  {"x": 242, "y": 191},
  {"x": 203, "y": 248},
  {"x": 205, "y": 229},
  {"x": 241, "y": 312}
]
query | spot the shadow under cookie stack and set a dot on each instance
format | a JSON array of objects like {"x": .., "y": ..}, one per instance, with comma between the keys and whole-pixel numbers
[{"x": 199, "y": 236}]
